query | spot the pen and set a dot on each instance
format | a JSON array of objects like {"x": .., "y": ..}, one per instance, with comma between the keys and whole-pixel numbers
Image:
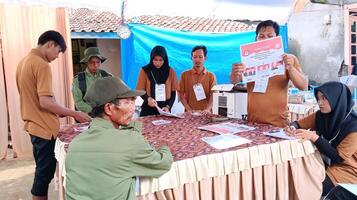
[{"x": 292, "y": 128}]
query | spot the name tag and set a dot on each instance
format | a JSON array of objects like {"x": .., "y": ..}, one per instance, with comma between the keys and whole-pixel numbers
[
  {"x": 160, "y": 92},
  {"x": 199, "y": 92},
  {"x": 261, "y": 85}
]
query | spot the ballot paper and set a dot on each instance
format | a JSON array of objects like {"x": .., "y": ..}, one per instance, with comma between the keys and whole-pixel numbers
[
  {"x": 167, "y": 114},
  {"x": 225, "y": 141},
  {"x": 160, "y": 122},
  {"x": 81, "y": 128},
  {"x": 279, "y": 133},
  {"x": 227, "y": 128},
  {"x": 262, "y": 59}
]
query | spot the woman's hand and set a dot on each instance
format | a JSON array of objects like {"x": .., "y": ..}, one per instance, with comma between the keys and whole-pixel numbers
[
  {"x": 290, "y": 130},
  {"x": 165, "y": 109},
  {"x": 306, "y": 135},
  {"x": 152, "y": 102}
]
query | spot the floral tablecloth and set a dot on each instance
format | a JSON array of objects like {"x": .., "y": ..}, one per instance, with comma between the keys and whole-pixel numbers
[
  {"x": 182, "y": 135},
  {"x": 196, "y": 161}
]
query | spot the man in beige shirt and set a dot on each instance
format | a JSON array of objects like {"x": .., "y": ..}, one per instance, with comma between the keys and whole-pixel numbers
[
  {"x": 196, "y": 84},
  {"x": 39, "y": 108}
]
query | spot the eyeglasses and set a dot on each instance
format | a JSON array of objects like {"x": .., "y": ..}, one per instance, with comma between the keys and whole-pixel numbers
[{"x": 120, "y": 102}]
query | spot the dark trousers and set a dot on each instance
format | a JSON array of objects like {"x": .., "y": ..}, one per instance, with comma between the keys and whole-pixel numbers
[{"x": 43, "y": 152}]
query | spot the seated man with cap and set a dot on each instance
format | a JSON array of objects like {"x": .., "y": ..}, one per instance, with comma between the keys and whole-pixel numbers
[
  {"x": 103, "y": 161},
  {"x": 93, "y": 59}
]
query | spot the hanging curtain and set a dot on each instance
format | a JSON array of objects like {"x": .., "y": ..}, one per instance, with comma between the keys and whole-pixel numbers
[
  {"x": 20, "y": 27},
  {"x": 3, "y": 114},
  {"x": 222, "y": 49}
]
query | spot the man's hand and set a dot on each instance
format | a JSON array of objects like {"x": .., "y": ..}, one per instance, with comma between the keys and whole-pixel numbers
[
  {"x": 238, "y": 69},
  {"x": 152, "y": 102},
  {"x": 82, "y": 117},
  {"x": 289, "y": 61},
  {"x": 236, "y": 73},
  {"x": 163, "y": 143},
  {"x": 206, "y": 111}
]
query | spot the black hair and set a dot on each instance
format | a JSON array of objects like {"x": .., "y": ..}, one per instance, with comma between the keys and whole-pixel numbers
[
  {"x": 99, "y": 110},
  {"x": 266, "y": 24},
  {"x": 203, "y": 47},
  {"x": 52, "y": 36}
]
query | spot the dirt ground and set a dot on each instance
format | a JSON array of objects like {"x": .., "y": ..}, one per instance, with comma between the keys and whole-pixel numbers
[{"x": 16, "y": 177}]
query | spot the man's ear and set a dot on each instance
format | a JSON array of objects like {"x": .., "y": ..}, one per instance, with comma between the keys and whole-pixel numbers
[
  {"x": 108, "y": 109},
  {"x": 50, "y": 43}
]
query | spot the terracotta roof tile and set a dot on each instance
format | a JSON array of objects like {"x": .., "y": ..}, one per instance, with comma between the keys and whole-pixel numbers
[{"x": 86, "y": 20}]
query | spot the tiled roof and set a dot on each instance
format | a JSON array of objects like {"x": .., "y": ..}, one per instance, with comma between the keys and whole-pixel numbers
[{"x": 85, "y": 20}]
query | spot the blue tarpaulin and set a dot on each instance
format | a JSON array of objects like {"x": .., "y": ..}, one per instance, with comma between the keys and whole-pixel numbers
[{"x": 223, "y": 50}]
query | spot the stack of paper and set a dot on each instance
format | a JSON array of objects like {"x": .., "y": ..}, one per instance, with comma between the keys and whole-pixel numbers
[
  {"x": 225, "y": 141},
  {"x": 160, "y": 122},
  {"x": 279, "y": 134},
  {"x": 227, "y": 128},
  {"x": 167, "y": 114}
]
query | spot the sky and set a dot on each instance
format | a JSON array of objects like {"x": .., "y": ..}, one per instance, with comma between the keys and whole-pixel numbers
[
  {"x": 222, "y": 9},
  {"x": 277, "y": 10}
]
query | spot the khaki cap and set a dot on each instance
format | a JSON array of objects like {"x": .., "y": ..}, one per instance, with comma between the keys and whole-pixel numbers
[
  {"x": 92, "y": 52},
  {"x": 107, "y": 89}
]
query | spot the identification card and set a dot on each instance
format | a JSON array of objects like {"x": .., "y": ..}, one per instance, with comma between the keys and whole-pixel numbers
[
  {"x": 160, "y": 94},
  {"x": 199, "y": 92}
]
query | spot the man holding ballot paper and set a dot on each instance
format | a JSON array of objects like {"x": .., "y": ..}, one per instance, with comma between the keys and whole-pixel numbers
[{"x": 267, "y": 70}]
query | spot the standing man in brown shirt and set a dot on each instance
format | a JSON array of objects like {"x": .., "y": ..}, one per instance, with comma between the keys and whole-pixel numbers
[
  {"x": 39, "y": 108},
  {"x": 271, "y": 107},
  {"x": 195, "y": 84}
]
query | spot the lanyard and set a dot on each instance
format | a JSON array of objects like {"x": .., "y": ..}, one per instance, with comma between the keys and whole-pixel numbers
[
  {"x": 153, "y": 77},
  {"x": 199, "y": 79}
]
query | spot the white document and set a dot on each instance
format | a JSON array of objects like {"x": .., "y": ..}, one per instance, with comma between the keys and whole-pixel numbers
[
  {"x": 223, "y": 87},
  {"x": 160, "y": 92},
  {"x": 262, "y": 58},
  {"x": 350, "y": 187},
  {"x": 167, "y": 114},
  {"x": 225, "y": 141},
  {"x": 227, "y": 128},
  {"x": 81, "y": 129},
  {"x": 199, "y": 92},
  {"x": 160, "y": 122},
  {"x": 279, "y": 134},
  {"x": 261, "y": 84}
]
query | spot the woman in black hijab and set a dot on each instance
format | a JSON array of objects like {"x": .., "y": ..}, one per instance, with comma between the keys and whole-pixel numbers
[
  {"x": 334, "y": 132},
  {"x": 159, "y": 81}
]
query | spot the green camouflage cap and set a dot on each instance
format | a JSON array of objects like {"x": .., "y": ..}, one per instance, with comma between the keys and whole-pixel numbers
[
  {"x": 107, "y": 89},
  {"x": 92, "y": 52}
]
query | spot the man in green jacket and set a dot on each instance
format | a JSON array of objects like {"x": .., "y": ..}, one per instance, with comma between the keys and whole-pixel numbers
[
  {"x": 103, "y": 161},
  {"x": 93, "y": 59}
]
